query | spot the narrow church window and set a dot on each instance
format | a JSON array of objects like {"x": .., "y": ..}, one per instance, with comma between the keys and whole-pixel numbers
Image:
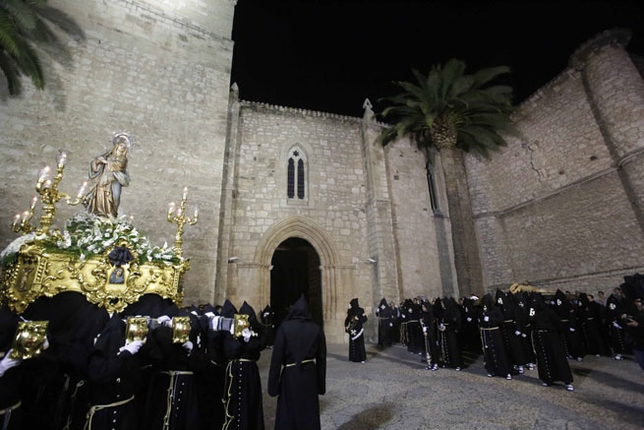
[
  {"x": 300, "y": 178},
  {"x": 296, "y": 175},
  {"x": 291, "y": 179}
]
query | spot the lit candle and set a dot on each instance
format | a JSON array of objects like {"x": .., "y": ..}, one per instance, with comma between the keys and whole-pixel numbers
[
  {"x": 131, "y": 218},
  {"x": 196, "y": 211},
  {"x": 16, "y": 218},
  {"x": 47, "y": 183},
  {"x": 185, "y": 193},
  {"x": 83, "y": 188},
  {"x": 25, "y": 216},
  {"x": 42, "y": 174},
  {"x": 171, "y": 208},
  {"x": 61, "y": 158},
  {"x": 34, "y": 200}
]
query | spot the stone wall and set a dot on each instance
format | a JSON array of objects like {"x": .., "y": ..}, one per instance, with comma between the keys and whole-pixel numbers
[
  {"x": 560, "y": 206},
  {"x": 158, "y": 70}
]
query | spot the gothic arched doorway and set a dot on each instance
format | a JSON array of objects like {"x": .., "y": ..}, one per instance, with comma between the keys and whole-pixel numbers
[{"x": 296, "y": 271}]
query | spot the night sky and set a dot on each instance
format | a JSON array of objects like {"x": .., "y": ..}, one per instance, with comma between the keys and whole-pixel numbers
[{"x": 330, "y": 55}]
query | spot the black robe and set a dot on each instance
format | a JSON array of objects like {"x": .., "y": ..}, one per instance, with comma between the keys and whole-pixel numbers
[
  {"x": 495, "y": 355},
  {"x": 353, "y": 325},
  {"x": 449, "y": 326},
  {"x": 11, "y": 381},
  {"x": 113, "y": 379},
  {"x": 243, "y": 385},
  {"x": 298, "y": 370},
  {"x": 385, "y": 323},
  {"x": 548, "y": 342}
]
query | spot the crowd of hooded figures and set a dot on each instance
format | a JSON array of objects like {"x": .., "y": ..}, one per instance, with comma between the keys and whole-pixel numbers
[
  {"x": 91, "y": 376},
  {"x": 520, "y": 330}
]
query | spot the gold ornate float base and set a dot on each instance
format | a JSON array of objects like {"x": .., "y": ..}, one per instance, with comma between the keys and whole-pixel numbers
[{"x": 36, "y": 273}]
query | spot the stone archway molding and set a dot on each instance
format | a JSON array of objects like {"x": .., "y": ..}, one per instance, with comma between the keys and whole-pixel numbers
[
  {"x": 303, "y": 228},
  {"x": 337, "y": 279}
]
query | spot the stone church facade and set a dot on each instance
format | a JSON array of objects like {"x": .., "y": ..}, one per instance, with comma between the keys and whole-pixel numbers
[{"x": 294, "y": 201}]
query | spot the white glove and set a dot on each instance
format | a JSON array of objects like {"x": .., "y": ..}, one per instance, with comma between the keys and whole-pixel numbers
[
  {"x": 424, "y": 329},
  {"x": 132, "y": 347},
  {"x": 246, "y": 335},
  {"x": 187, "y": 346},
  {"x": 486, "y": 318},
  {"x": 164, "y": 320},
  {"x": 616, "y": 325},
  {"x": 572, "y": 329},
  {"x": 469, "y": 319},
  {"x": 524, "y": 335},
  {"x": 7, "y": 363},
  {"x": 517, "y": 333}
]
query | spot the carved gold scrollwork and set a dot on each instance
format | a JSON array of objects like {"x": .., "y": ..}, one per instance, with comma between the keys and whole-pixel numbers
[{"x": 37, "y": 273}]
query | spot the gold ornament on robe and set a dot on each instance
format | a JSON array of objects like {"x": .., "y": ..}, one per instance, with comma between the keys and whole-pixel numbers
[
  {"x": 136, "y": 328},
  {"x": 180, "y": 329},
  {"x": 29, "y": 340},
  {"x": 241, "y": 323}
]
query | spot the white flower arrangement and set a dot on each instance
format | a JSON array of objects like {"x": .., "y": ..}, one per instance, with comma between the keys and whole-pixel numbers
[{"x": 87, "y": 235}]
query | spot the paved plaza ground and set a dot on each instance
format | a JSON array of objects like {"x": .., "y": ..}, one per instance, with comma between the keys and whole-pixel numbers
[{"x": 392, "y": 390}]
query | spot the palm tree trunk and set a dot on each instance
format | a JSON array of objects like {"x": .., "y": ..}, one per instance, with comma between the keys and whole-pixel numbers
[{"x": 467, "y": 261}]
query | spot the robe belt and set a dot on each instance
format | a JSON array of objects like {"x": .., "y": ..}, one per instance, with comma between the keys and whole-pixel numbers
[
  {"x": 565, "y": 320},
  {"x": 311, "y": 360},
  {"x": 244, "y": 360},
  {"x": 11, "y": 408},
  {"x": 590, "y": 318},
  {"x": 508, "y": 321},
  {"x": 96, "y": 408},
  {"x": 170, "y": 396},
  {"x": 489, "y": 328},
  {"x": 177, "y": 372}
]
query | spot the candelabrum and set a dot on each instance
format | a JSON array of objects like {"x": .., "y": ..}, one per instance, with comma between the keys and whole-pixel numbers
[
  {"x": 50, "y": 195},
  {"x": 22, "y": 222},
  {"x": 177, "y": 215}
]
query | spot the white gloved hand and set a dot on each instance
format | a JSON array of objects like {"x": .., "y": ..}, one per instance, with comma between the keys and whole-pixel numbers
[
  {"x": 524, "y": 335},
  {"x": 164, "y": 320},
  {"x": 572, "y": 329},
  {"x": 469, "y": 319},
  {"x": 486, "y": 318},
  {"x": 132, "y": 347},
  {"x": 187, "y": 345},
  {"x": 616, "y": 325},
  {"x": 424, "y": 329},
  {"x": 246, "y": 334},
  {"x": 7, "y": 363},
  {"x": 517, "y": 333}
]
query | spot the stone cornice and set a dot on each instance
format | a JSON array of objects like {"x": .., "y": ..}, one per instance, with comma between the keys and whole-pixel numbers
[{"x": 303, "y": 112}]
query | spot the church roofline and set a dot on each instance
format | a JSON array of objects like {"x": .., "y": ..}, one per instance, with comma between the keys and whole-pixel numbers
[{"x": 305, "y": 112}]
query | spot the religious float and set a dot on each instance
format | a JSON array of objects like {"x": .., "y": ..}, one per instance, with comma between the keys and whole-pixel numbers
[{"x": 98, "y": 254}]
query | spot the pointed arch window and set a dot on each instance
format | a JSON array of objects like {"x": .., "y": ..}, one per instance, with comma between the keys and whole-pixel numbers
[{"x": 296, "y": 175}]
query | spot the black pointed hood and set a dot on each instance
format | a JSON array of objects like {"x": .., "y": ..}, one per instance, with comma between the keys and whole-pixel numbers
[
  {"x": 248, "y": 310},
  {"x": 228, "y": 310},
  {"x": 299, "y": 310}
]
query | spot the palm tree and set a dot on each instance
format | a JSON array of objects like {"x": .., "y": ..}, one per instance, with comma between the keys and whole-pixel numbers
[
  {"x": 22, "y": 23},
  {"x": 454, "y": 112}
]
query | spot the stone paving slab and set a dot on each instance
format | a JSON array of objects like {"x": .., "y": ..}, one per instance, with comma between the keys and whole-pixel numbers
[{"x": 392, "y": 390}]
